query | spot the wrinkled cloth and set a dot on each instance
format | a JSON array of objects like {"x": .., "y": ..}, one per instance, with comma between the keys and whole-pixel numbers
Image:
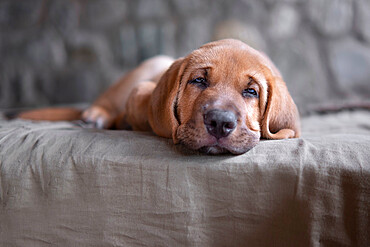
[{"x": 68, "y": 186}]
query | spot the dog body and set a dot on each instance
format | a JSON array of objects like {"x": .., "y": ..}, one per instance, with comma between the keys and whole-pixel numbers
[{"x": 222, "y": 97}]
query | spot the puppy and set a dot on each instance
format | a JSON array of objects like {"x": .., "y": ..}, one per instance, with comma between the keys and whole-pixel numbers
[{"x": 221, "y": 98}]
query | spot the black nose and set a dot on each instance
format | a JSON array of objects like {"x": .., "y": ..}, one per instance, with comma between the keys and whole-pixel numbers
[{"x": 220, "y": 123}]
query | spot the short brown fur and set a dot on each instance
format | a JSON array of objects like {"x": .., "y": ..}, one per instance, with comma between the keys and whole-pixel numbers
[{"x": 159, "y": 96}]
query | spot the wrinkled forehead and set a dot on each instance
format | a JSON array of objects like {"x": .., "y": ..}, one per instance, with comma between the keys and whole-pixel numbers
[{"x": 230, "y": 59}]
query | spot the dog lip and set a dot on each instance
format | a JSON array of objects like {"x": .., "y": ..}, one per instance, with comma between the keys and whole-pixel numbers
[
  {"x": 215, "y": 149},
  {"x": 210, "y": 141},
  {"x": 215, "y": 146},
  {"x": 221, "y": 146}
]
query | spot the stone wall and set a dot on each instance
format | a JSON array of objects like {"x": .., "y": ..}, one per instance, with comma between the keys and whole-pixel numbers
[{"x": 66, "y": 51}]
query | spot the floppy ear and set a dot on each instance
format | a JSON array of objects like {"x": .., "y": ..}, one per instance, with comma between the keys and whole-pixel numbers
[
  {"x": 162, "y": 109},
  {"x": 281, "y": 117}
]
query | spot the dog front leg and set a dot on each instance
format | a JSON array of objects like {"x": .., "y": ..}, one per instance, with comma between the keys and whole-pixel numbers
[
  {"x": 110, "y": 107},
  {"x": 135, "y": 115}
]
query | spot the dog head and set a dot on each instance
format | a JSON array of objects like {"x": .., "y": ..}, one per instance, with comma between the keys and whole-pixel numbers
[{"x": 223, "y": 97}]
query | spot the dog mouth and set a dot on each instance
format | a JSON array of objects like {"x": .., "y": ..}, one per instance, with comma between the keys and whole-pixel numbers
[
  {"x": 222, "y": 146},
  {"x": 216, "y": 149},
  {"x": 209, "y": 144},
  {"x": 221, "y": 149}
]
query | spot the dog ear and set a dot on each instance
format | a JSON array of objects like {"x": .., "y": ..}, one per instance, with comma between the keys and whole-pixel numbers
[
  {"x": 281, "y": 118},
  {"x": 162, "y": 110}
]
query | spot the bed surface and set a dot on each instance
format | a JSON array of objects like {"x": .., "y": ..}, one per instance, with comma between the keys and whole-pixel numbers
[{"x": 64, "y": 185}]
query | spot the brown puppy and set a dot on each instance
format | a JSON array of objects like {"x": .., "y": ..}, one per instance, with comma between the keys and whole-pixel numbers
[{"x": 222, "y": 97}]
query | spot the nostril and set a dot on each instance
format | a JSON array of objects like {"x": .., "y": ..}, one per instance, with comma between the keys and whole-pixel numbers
[
  {"x": 230, "y": 125},
  {"x": 227, "y": 129}
]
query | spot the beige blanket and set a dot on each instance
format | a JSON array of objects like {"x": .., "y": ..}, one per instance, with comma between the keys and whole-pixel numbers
[{"x": 67, "y": 186}]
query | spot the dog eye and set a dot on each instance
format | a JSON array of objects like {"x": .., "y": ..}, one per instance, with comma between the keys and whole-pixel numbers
[
  {"x": 200, "y": 82},
  {"x": 249, "y": 92}
]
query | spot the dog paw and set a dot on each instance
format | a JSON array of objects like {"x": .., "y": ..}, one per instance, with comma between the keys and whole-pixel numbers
[{"x": 97, "y": 117}]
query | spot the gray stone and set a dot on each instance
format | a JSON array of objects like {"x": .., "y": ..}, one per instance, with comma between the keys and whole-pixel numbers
[
  {"x": 363, "y": 18},
  {"x": 63, "y": 15},
  {"x": 128, "y": 45},
  {"x": 19, "y": 86},
  {"x": 284, "y": 22},
  {"x": 6, "y": 92},
  {"x": 28, "y": 87},
  {"x": 189, "y": 7},
  {"x": 89, "y": 48},
  {"x": 350, "y": 63},
  {"x": 77, "y": 85},
  {"x": 67, "y": 51},
  {"x": 299, "y": 62},
  {"x": 251, "y": 11},
  {"x": 239, "y": 30},
  {"x": 104, "y": 14},
  {"x": 275, "y": 2},
  {"x": 47, "y": 51},
  {"x": 331, "y": 17},
  {"x": 23, "y": 14},
  {"x": 151, "y": 9},
  {"x": 215, "y": 10},
  {"x": 148, "y": 37},
  {"x": 167, "y": 37},
  {"x": 193, "y": 33},
  {"x": 89, "y": 53}
]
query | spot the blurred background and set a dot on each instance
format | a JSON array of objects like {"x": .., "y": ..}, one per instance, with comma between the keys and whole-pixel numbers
[{"x": 68, "y": 51}]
